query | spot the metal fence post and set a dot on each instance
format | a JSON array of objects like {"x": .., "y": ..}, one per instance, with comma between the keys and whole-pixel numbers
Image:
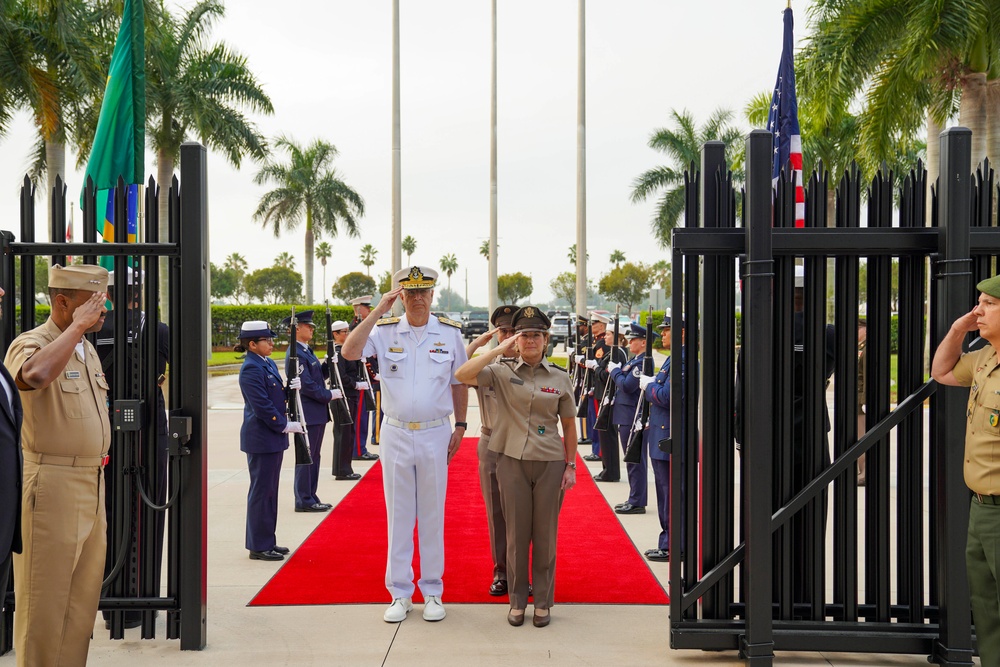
[
  {"x": 954, "y": 285},
  {"x": 192, "y": 378},
  {"x": 757, "y": 644}
]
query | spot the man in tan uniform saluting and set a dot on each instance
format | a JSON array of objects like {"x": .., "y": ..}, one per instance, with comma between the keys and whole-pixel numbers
[{"x": 65, "y": 439}]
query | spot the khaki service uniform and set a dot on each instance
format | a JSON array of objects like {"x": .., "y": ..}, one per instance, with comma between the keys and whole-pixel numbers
[
  {"x": 488, "y": 481},
  {"x": 65, "y": 438},
  {"x": 980, "y": 370},
  {"x": 530, "y": 403}
]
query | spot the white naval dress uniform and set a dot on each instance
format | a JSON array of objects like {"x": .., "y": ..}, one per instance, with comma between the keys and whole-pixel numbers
[{"x": 417, "y": 370}]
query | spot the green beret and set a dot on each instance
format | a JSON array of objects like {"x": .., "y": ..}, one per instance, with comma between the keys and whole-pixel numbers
[{"x": 990, "y": 286}]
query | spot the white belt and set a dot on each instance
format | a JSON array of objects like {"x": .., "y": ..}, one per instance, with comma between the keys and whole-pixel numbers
[{"x": 416, "y": 426}]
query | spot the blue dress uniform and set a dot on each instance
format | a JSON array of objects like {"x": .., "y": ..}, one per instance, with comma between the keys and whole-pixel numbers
[
  {"x": 623, "y": 417},
  {"x": 315, "y": 399},
  {"x": 346, "y": 435},
  {"x": 658, "y": 395},
  {"x": 610, "y": 458},
  {"x": 263, "y": 439}
]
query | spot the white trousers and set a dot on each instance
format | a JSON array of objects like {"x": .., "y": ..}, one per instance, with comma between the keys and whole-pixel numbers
[{"x": 415, "y": 479}]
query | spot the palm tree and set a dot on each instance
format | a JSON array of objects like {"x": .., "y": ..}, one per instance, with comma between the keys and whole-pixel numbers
[
  {"x": 571, "y": 255},
  {"x": 449, "y": 265},
  {"x": 51, "y": 65},
  {"x": 308, "y": 186},
  {"x": 683, "y": 146},
  {"x": 193, "y": 88},
  {"x": 284, "y": 260},
  {"x": 915, "y": 62},
  {"x": 237, "y": 262},
  {"x": 323, "y": 253},
  {"x": 617, "y": 257},
  {"x": 409, "y": 246},
  {"x": 368, "y": 257}
]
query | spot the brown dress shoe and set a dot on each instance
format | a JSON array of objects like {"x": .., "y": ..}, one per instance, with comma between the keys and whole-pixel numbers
[
  {"x": 516, "y": 620},
  {"x": 541, "y": 621}
]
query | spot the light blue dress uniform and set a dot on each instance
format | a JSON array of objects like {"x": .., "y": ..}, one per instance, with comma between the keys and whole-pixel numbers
[{"x": 417, "y": 370}]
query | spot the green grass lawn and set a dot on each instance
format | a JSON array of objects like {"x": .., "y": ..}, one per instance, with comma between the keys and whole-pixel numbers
[{"x": 230, "y": 357}]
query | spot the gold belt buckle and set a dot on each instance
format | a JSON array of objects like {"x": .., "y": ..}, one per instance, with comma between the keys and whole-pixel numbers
[{"x": 413, "y": 426}]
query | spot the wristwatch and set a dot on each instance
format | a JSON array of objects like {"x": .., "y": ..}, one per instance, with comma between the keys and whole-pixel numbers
[
  {"x": 462, "y": 424},
  {"x": 571, "y": 464}
]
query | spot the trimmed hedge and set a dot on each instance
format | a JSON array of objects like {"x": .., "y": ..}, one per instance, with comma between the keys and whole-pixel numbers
[{"x": 227, "y": 320}]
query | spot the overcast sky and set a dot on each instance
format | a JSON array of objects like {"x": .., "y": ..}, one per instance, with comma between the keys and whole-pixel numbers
[{"x": 326, "y": 65}]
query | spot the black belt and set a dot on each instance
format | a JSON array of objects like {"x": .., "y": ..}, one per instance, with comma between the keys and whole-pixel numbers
[{"x": 986, "y": 500}]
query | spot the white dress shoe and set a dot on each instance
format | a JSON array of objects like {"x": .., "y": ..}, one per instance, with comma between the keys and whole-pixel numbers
[
  {"x": 397, "y": 611},
  {"x": 433, "y": 609}
]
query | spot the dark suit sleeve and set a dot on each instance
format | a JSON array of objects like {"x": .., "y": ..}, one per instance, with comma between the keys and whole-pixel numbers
[{"x": 312, "y": 385}]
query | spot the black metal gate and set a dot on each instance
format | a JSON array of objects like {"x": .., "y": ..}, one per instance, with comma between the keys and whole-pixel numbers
[
  {"x": 138, "y": 497},
  {"x": 779, "y": 565}
]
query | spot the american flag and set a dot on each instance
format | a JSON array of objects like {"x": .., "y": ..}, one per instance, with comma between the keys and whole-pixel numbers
[{"x": 783, "y": 122}]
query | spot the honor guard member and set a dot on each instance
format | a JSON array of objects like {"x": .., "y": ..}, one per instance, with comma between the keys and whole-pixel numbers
[
  {"x": 626, "y": 378},
  {"x": 362, "y": 306},
  {"x": 104, "y": 342},
  {"x": 65, "y": 438},
  {"x": 578, "y": 389},
  {"x": 599, "y": 324},
  {"x": 10, "y": 475},
  {"x": 315, "y": 411},
  {"x": 610, "y": 459},
  {"x": 657, "y": 392},
  {"x": 263, "y": 436},
  {"x": 979, "y": 371},
  {"x": 502, "y": 329},
  {"x": 419, "y": 356},
  {"x": 345, "y": 435}
]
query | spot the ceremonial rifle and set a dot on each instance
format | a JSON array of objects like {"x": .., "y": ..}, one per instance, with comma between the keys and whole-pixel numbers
[
  {"x": 633, "y": 453},
  {"x": 294, "y": 403},
  {"x": 340, "y": 409},
  {"x": 370, "y": 391}
]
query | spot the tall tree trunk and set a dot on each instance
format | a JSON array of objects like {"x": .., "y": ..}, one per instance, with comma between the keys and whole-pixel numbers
[
  {"x": 993, "y": 121},
  {"x": 164, "y": 175},
  {"x": 55, "y": 166},
  {"x": 310, "y": 255},
  {"x": 972, "y": 112}
]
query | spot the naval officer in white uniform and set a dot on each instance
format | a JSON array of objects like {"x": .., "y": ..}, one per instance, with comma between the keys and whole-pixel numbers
[{"x": 418, "y": 355}]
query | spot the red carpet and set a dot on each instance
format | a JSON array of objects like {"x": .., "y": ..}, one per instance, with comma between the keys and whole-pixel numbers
[{"x": 343, "y": 560}]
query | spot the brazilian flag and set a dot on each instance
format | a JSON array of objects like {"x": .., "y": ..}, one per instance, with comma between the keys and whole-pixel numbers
[{"x": 120, "y": 141}]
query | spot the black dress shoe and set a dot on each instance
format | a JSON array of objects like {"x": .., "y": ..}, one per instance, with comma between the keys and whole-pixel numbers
[
  {"x": 630, "y": 509},
  {"x": 591, "y": 457},
  {"x": 584, "y": 441},
  {"x": 266, "y": 555},
  {"x": 280, "y": 550},
  {"x": 658, "y": 554},
  {"x": 498, "y": 587},
  {"x": 601, "y": 477},
  {"x": 351, "y": 477},
  {"x": 316, "y": 507},
  {"x": 368, "y": 456}
]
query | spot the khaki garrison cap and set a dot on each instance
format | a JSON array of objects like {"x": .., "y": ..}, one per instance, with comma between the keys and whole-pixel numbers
[
  {"x": 86, "y": 277},
  {"x": 990, "y": 286},
  {"x": 415, "y": 277}
]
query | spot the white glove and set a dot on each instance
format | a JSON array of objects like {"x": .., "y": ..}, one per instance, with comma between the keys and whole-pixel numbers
[
  {"x": 361, "y": 386},
  {"x": 295, "y": 383},
  {"x": 591, "y": 364},
  {"x": 612, "y": 365},
  {"x": 377, "y": 378},
  {"x": 578, "y": 358},
  {"x": 645, "y": 381},
  {"x": 335, "y": 394},
  {"x": 293, "y": 427},
  {"x": 570, "y": 351}
]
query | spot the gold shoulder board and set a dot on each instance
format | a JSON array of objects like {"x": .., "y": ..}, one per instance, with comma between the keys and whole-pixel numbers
[
  {"x": 386, "y": 320},
  {"x": 451, "y": 323}
]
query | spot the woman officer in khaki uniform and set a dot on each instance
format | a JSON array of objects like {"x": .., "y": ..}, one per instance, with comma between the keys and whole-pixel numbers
[{"x": 535, "y": 465}]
